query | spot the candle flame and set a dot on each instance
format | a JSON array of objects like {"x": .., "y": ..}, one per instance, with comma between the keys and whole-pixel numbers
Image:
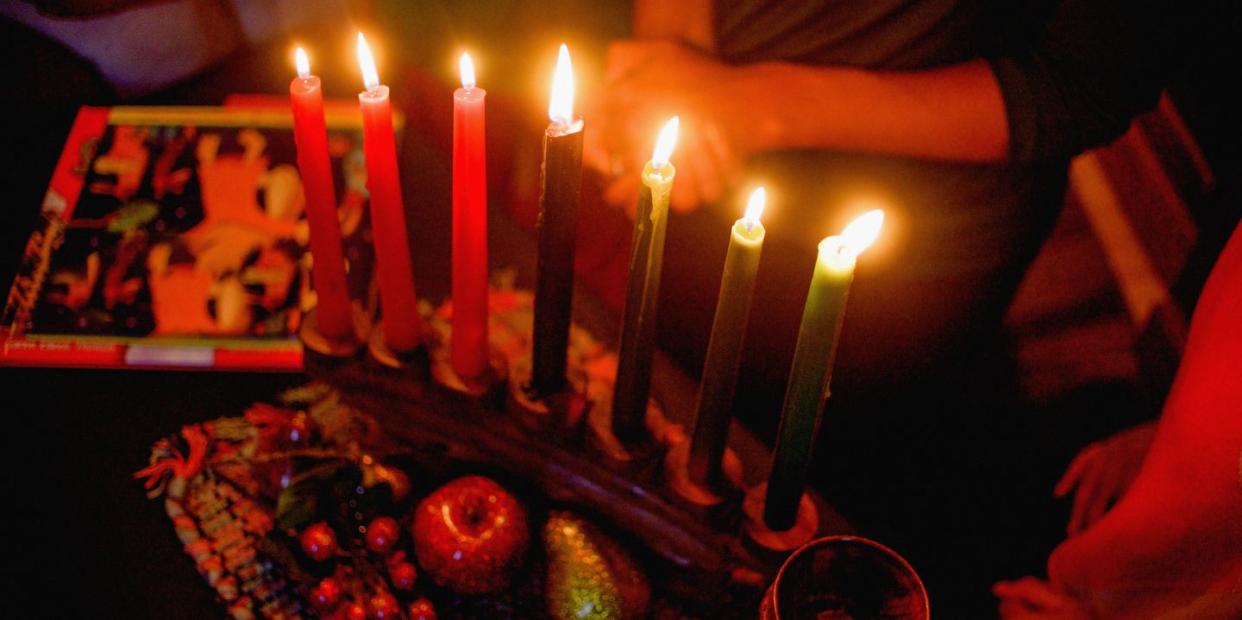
[
  {"x": 754, "y": 207},
  {"x": 302, "y": 63},
  {"x": 862, "y": 232},
  {"x": 665, "y": 143},
  {"x": 561, "y": 107},
  {"x": 370, "y": 77},
  {"x": 467, "y": 71}
]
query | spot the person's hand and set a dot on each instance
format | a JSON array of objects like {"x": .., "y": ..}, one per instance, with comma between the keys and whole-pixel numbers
[
  {"x": 1101, "y": 473},
  {"x": 1029, "y": 598},
  {"x": 646, "y": 83}
]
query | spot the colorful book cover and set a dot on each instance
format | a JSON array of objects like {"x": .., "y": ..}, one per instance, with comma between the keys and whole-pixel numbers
[{"x": 175, "y": 237}]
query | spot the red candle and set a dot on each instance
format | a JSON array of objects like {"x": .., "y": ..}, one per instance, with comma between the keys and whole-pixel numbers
[
  {"x": 328, "y": 265},
  {"x": 399, "y": 318},
  {"x": 469, "y": 349}
]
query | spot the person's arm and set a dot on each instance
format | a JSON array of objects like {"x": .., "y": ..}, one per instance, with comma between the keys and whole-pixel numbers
[
  {"x": 729, "y": 113},
  {"x": 1077, "y": 85},
  {"x": 955, "y": 112}
]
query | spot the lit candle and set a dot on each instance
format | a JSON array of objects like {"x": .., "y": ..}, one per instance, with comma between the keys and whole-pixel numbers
[
  {"x": 399, "y": 306},
  {"x": 633, "y": 384},
  {"x": 724, "y": 349},
  {"x": 557, "y": 226},
  {"x": 469, "y": 345},
  {"x": 811, "y": 373},
  {"x": 333, "y": 315}
]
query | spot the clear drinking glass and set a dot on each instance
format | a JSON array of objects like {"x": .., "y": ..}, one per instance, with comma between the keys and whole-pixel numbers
[{"x": 845, "y": 578}]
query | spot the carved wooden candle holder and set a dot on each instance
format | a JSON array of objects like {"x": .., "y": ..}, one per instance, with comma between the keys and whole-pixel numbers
[
  {"x": 559, "y": 415},
  {"x": 489, "y": 386},
  {"x": 343, "y": 347},
  {"x": 713, "y": 546}
]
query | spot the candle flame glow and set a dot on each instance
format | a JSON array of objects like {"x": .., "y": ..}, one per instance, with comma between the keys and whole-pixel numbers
[
  {"x": 370, "y": 77},
  {"x": 754, "y": 207},
  {"x": 665, "y": 143},
  {"x": 862, "y": 232},
  {"x": 561, "y": 107},
  {"x": 302, "y": 63},
  {"x": 467, "y": 71}
]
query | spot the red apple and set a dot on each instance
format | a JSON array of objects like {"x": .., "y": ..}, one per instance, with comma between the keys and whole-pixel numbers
[{"x": 470, "y": 534}]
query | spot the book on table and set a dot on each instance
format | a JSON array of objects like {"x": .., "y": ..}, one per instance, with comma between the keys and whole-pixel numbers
[{"x": 175, "y": 237}]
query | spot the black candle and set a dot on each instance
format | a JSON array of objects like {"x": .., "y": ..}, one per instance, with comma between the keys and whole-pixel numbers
[{"x": 557, "y": 227}]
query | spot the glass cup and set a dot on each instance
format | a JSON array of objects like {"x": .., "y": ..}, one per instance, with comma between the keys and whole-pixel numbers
[{"x": 845, "y": 578}]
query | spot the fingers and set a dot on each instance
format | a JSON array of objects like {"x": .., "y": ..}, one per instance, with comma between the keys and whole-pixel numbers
[
  {"x": 1075, "y": 470},
  {"x": 1078, "y": 520},
  {"x": 650, "y": 80},
  {"x": 1032, "y": 592},
  {"x": 1097, "y": 476},
  {"x": 1095, "y": 508},
  {"x": 595, "y": 154},
  {"x": 729, "y": 165},
  {"x": 1035, "y": 599},
  {"x": 705, "y": 175},
  {"x": 685, "y": 194},
  {"x": 1015, "y": 610},
  {"x": 706, "y": 162},
  {"x": 1097, "y": 490}
]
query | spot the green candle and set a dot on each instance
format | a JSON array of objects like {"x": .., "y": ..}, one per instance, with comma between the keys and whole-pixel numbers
[
  {"x": 811, "y": 373},
  {"x": 633, "y": 384},
  {"x": 715, "y": 403}
]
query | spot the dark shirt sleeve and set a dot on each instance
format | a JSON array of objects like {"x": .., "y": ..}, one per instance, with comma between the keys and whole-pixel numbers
[{"x": 1079, "y": 82}]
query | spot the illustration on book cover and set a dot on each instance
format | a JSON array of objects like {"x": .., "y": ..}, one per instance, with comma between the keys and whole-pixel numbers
[{"x": 184, "y": 231}]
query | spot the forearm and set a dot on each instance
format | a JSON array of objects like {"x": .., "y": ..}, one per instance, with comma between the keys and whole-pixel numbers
[{"x": 951, "y": 113}]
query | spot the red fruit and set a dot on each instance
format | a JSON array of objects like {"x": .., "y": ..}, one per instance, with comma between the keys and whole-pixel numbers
[
  {"x": 422, "y": 610},
  {"x": 327, "y": 594},
  {"x": 383, "y": 606},
  {"x": 354, "y": 611},
  {"x": 403, "y": 575},
  {"x": 319, "y": 541},
  {"x": 382, "y": 534},
  {"x": 470, "y": 534}
]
